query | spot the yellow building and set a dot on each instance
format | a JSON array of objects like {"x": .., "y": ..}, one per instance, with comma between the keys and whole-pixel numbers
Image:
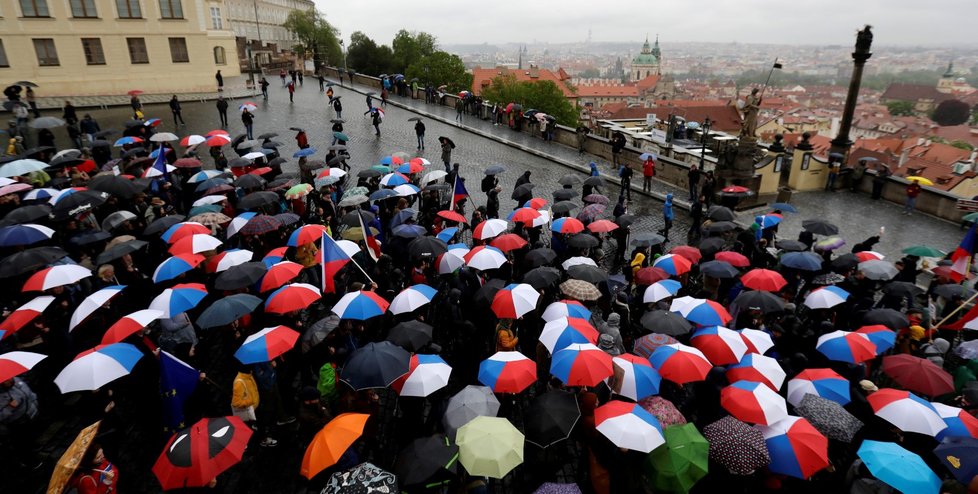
[{"x": 108, "y": 47}]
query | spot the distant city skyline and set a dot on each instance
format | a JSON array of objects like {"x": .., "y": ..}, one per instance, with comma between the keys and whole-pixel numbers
[{"x": 829, "y": 22}]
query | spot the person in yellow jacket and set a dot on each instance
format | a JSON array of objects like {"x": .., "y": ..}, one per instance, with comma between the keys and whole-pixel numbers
[
  {"x": 506, "y": 338},
  {"x": 245, "y": 399}
]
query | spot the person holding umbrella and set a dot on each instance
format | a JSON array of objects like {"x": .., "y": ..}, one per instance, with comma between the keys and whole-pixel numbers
[
  {"x": 419, "y": 131},
  {"x": 375, "y": 119},
  {"x": 96, "y": 475},
  {"x": 337, "y": 106},
  {"x": 264, "y": 88},
  {"x": 248, "y": 120}
]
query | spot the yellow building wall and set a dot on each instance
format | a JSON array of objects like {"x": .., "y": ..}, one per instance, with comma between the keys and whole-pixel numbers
[
  {"x": 74, "y": 77},
  {"x": 967, "y": 188},
  {"x": 813, "y": 178},
  {"x": 770, "y": 175}
]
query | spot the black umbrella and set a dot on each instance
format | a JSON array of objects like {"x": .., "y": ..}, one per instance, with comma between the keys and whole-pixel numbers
[
  {"x": 10, "y": 105},
  {"x": 949, "y": 291},
  {"x": 820, "y": 227},
  {"x": 78, "y": 203},
  {"x": 353, "y": 217},
  {"x": 227, "y": 310},
  {"x": 720, "y": 213},
  {"x": 335, "y": 120},
  {"x": 570, "y": 179},
  {"x": 427, "y": 460},
  {"x": 718, "y": 269},
  {"x": 105, "y": 133},
  {"x": 647, "y": 239},
  {"x": 129, "y": 153},
  {"x": 29, "y": 260},
  {"x": 539, "y": 257},
  {"x": 791, "y": 245},
  {"x": 410, "y": 335},
  {"x": 116, "y": 185},
  {"x": 594, "y": 181},
  {"x": 449, "y": 141},
  {"x": 133, "y": 123},
  {"x": 26, "y": 214},
  {"x": 89, "y": 237},
  {"x": 311, "y": 165},
  {"x": 211, "y": 183},
  {"x": 257, "y": 199},
  {"x": 483, "y": 297},
  {"x": 550, "y": 418},
  {"x": 427, "y": 247},
  {"x": 267, "y": 135},
  {"x": 665, "y": 322},
  {"x": 271, "y": 145},
  {"x": 720, "y": 227},
  {"x": 766, "y": 302},
  {"x": 495, "y": 170},
  {"x": 890, "y": 318},
  {"x": 119, "y": 250},
  {"x": 375, "y": 365},
  {"x": 582, "y": 241},
  {"x": 249, "y": 181},
  {"x": 904, "y": 289},
  {"x": 710, "y": 246},
  {"x": 319, "y": 331},
  {"x": 845, "y": 262},
  {"x": 564, "y": 194},
  {"x": 542, "y": 277},
  {"x": 522, "y": 190},
  {"x": 564, "y": 207},
  {"x": 588, "y": 273},
  {"x": 239, "y": 163},
  {"x": 625, "y": 220},
  {"x": 277, "y": 162},
  {"x": 36, "y": 150},
  {"x": 240, "y": 276},
  {"x": 369, "y": 173},
  {"x": 101, "y": 143},
  {"x": 161, "y": 225}
]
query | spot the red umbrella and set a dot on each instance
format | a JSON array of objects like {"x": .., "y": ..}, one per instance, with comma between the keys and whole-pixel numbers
[
  {"x": 453, "y": 216},
  {"x": 764, "y": 279},
  {"x": 260, "y": 171},
  {"x": 197, "y": 455},
  {"x": 279, "y": 274},
  {"x": 649, "y": 275},
  {"x": 691, "y": 253},
  {"x": 735, "y": 189},
  {"x": 525, "y": 215},
  {"x": 917, "y": 374},
  {"x": 135, "y": 92},
  {"x": 536, "y": 203},
  {"x": 187, "y": 163},
  {"x": 734, "y": 259},
  {"x": 508, "y": 242},
  {"x": 602, "y": 226}
]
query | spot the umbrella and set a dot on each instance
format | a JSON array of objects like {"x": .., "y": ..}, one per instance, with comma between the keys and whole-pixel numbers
[
  {"x": 292, "y": 297},
  {"x": 898, "y": 467},
  {"x": 737, "y": 446},
  {"x": 129, "y": 325},
  {"x": 24, "y": 314},
  {"x": 64, "y": 470},
  {"x": 183, "y": 230},
  {"x": 588, "y": 273},
  {"x": 21, "y": 167},
  {"x": 467, "y": 404},
  {"x": 92, "y": 369},
  {"x": 412, "y": 298},
  {"x": 426, "y": 374},
  {"x": 890, "y": 318},
  {"x": 260, "y": 224},
  {"x": 507, "y": 372},
  {"x": 959, "y": 422},
  {"x": 178, "y": 299},
  {"x": 825, "y": 279},
  {"x": 565, "y": 309},
  {"x": 906, "y": 411},
  {"x": 763, "y": 279},
  {"x": 361, "y": 305},
  {"x": 410, "y": 335},
  {"x": 515, "y": 300},
  {"x": 829, "y": 417},
  {"x": 425, "y": 460},
  {"x": 567, "y": 225},
  {"x": 175, "y": 266},
  {"x": 918, "y": 374},
  {"x": 824, "y": 383},
  {"x": 196, "y": 455},
  {"x": 591, "y": 212},
  {"x": 820, "y": 227},
  {"x": 720, "y": 213},
  {"x": 29, "y": 260},
  {"x": 581, "y": 364},
  {"x": 680, "y": 363},
  {"x": 878, "y": 270},
  {"x": 114, "y": 220},
  {"x": 923, "y": 251},
  {"x": 665, "y": 322},
  {"x": 258, "y": 199},
  {"x": 766, "y": 302},
  {"x": 266, "y": 345},
  {"x": 753, "y": 402},
  {"x": 797, "y": 449},
  {"x": 647, "y": 239},
  {"x": 120, "y": 250},
  {"x": 628, "y": 426},
  {"x": 550, "y": 418},
  {"x": 55, "y": 276},
  {"x": 495, "y": 170},
  {"x": 596, "y": 199},
  {"x": 27, "y": 214},
  {"x": 15, "y": 235},
  {"x": 682, "y": 461},
  {"x": 508, "y": 242},
  {"x": 958, "y": 454},
  {"x": 846, "y": 346},
  {"x": 542, "y": 277},
  {"x": 635, "y": 378},
  {"x": 718, "y": 269},
  {"x": 365, "y": 477},
  {"x": 92, "y": 303},
  {"x": 580, "y": 290},
  {"x": 564, "y": 194},
  {"x": 701, "y": 311},
  {"x": 489, "y": 447},
  {"x": 15, "y": 363},
  {"x": 46, "y": 123},
  {"x": 660, "y": 290},
  {"x": 536, "y": 257},
  {"x": 949, "y": 291},
  {"x": 427, "y": 247},
  {"x": 228, "y": 259},
  {"x": 721, "y": 346},
  {"x": 562, "y": 332},
  {"x": 227, "y": 310},
  {"x": 485, "y": 258},
  {"x": 195, "y": 244},
  {"x": 375, "y": 365},
  {"x": 826, "y": 297},
  {"x": 331, "y": 442}
]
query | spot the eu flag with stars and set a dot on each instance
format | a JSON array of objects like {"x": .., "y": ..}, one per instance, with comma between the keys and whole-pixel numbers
[{"x": 177, "y": 382}]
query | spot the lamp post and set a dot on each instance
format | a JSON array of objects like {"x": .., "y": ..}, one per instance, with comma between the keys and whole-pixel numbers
[{"x": 704, "y": 133}]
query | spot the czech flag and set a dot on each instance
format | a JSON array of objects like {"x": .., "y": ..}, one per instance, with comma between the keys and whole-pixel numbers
[
  {"x": 721, "y": 346},
  {"x": 797, "y": 449},
  {"x": 581, "y": 364},
  {"x": 680, "y": 364},
  {"x": 460, "y": 192},
  {"x": 331, "y": 262},
  {"x": 373, "y": 245},
  {"x": 825, "y": 383},
  {"x": 963, "y": 255},
  {"x": 638, "y": 378},
  {"x": 562, "y": 332}
]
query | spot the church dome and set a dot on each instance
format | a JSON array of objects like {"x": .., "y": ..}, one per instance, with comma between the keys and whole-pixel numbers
[{"x": 647, "y": 56}]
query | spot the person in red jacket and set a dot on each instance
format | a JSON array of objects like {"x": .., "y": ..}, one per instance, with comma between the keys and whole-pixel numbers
[
  {"x": 301, "y": 140},
  {"x": 648, "y": 171},
  {"x": 913, "y": 190},
  {"x": 96, "y": 475}
]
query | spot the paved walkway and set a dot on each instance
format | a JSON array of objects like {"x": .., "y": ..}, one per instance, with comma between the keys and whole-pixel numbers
[{"x": 234, "y": 88}]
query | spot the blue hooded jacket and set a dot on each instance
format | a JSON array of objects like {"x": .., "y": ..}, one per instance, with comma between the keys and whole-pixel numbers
[
  {"x": 667, "y": 208},
  {"x": 594, "y": 169}
]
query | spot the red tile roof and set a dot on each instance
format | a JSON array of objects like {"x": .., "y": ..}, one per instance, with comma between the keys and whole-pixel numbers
[
  {"x": 647, "y": 83},
  {"x": 914, "y": 92},
  {"x": 607, "y": 91},
  {"x": 483, "y": 78},
  {"x": 725, "y": 118}
]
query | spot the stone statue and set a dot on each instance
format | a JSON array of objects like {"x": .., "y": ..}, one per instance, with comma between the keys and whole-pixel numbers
[
  {"x": 751, "y": 107},
  {"x": 864, "y": 39}
]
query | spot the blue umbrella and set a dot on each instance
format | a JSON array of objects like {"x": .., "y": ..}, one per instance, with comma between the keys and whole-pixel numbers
[
  {"x": 402, "y": 216},
  {"x": 304, "y": 152},
  {"x": 447, "y": 234},
  {"x": 805, "y": 261},
  {"x": 899, "y": 468},
  {"x": 783, "y": 207},
  {"x": 495, "y": 169},
  {"x": 382, "y": 194},
  {"x": 24, "y": 234},
  {"x": 340, "y": 136},
  {"x": 645, "y": 156},
  {"x": 409, "y": 231},
  {"x": 960, "y": 456}
]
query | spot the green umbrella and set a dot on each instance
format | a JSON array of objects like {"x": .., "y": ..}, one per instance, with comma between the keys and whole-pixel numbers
[
  {"x": 207, "y": 208},
  {"x": 489, "y": 447},
  {"x": 381, "y": 168},
  {"x": 681, "y": 462},
  {"x": 355, "y": 191},
  {"x": 971, "y": 217},
  {"x": 927, "y": 251}
]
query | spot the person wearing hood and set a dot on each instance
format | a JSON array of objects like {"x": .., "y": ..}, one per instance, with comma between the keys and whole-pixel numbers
[
  {"x": 611, "y": 331},
  {"x": 523, "y": 179},
  {"x": 446, "y": 153},
  {"x": 667, "y": 216},
  {"x": 936, "y": 350}
]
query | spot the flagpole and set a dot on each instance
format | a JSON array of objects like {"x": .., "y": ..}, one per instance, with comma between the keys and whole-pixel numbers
[
  {"x": 354, "y": 261},
  {"x": 958, "y": 308},
  {"x": 769, "y": 74}
]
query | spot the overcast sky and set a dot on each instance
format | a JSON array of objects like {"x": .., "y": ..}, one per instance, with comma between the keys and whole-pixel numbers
[{"x": 821, "y": 22}]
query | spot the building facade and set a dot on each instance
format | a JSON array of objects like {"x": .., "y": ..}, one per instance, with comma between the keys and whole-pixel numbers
[
  {"x": 262, "y": 19},
  {"x": 109, "y": 47},
  {"x": 648, "y": 62}
]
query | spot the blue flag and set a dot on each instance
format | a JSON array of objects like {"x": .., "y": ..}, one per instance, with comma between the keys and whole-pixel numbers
[{"x": 177, "y": 381}]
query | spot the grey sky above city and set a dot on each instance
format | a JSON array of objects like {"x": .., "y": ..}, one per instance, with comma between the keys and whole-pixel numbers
[{"x": 826, "y": 22}]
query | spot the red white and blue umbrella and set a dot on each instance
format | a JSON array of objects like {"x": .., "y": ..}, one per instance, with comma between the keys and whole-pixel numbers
[
  {"x": 92, "y": 303},
  {"x": 184, "y": 229},
  {"x": 60, "y": 275},
  {"x": 701, "y": 311},
  {"x": 753, "y": 402},
  {"x": 204, "y": 175},
  {"x": 25, "y": 234},
  {"x": 24, "y": 314},
  {"x": 566, "y": 308},
  {"x": 450, "y": 261},
  {"x": 845, "y": 346},
  {"x": 95, "y": 368},
  {"x": 426, "y": 374},
  {"x": 394, "y": 179},
  {"x": 266, "y": 345},
  {"x": 195, "y": 244},
  {"x": 292, "y": 297},
  {"x": 581, "y": 364},
  {"x": 868, "y": 255},
  {"x": 306, "y": 234},
  {"x": 907, "y": 411},
  {"x": 228, "y": 259},
  {"x": 238, "y": 222},
  {"x": 721, "y": 346},
  {"x": 759, "y": 369},
  {"x": 178, "y": 299},
  {"x": 489, "y": 229},
  {"x": 638, "y": 378},
  {"x": 485, "y": 257},
  {"x": 274, "y": 256},
  {"x": 680, "y": 363},
  {"x": 796, "y": 447},
  {"x": 825, "y": 383},
  {"x": 507, "y": 372},
  {"x": 560, "y": 333},
  {"x": 279, "y": 274},
  {"x": 757, "y": 341},
  {"x": 360, "y": 305},
  {"x": 629, "y": 426},
  {"x": 130, "y": 324},
  {"x": 883, "y": 337},
  {"x": 412, "y": 298},
  {"x": 959, "y": 422},
  {"x": 673, "y": 264},
  {"x": 13, "y": 364},
  {"x": 661, "y": 290},
  {"x": 175, "y": 266},
  {"x": 515, "y": 300},
  {"x": 41, "y": 194},
  {"x": 826, "y": 297},
  {"x": 567, "y": 225}
]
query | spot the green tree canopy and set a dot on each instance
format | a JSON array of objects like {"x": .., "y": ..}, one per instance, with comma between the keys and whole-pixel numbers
[
  {"x": 951, "y": 112},
  {"x": 900, "y": 108},
  {"x": 316, "y": 36},
  {"x": 410, "y": 47},
  {"x": 441, "y": 68},
  {"x": 368, "y": 58},
  {"x": 544, "y": 96}
]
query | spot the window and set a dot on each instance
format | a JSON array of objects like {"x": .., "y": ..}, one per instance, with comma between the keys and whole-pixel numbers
[
  {"x": 3, "y": 56},
  {"x": 47, "y": 56},
  {"x": 34, "y": 8},
  {"x": 217, "y": 22},
  {"x": 219, "y": 56},
  {"x": 93, "y": 51},
  {"x": 171, "y": 9},
  {"x": 83, "y": 9},
  {"x": 178, "y": 50},
  {"x": 129, "y": 9},
  {"x": 137, "y": 50}
]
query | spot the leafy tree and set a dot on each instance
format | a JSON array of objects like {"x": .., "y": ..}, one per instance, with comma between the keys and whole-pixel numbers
[
  {"x": 962, "y": 145},
  {"x": 410, "y": 47},
  {"x": 900, "y": 108},
  {"x": 441, "y": 68},
  {"x": 367, "y": 57},
  {"x": 544, "y": 96},
  {"x": 316, "y": 35},
  {"x": 591, "y": 73},
  {"x": 951, "y": 112}
]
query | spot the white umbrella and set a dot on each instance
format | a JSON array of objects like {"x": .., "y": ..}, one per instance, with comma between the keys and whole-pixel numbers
[
  {"x": 428, "y": 375},
  {"x": 405, "y": 190},
  {"x": 471, "y": 402},
  {"x": 490, "y": 228},
  {"x": 254, "y": 155},
  {"x": 213, "y": 199},
  {"x": 432, "y": 176},
  {"x": 21, "y": 167},
  {"x": 233, "y": 258},
  {"x": 578, "y": 261},
  {"x": 117, "y": 218},
  {"x": 485, "y": 258},
  {"x": 92, "y": 303},
  {"x": 97, "y": 367},
  {"x": 164, "y": 137},
  {"x": 660, "y": 290}
]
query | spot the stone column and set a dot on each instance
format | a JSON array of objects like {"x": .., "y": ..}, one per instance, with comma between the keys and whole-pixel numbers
[{"x": 864, "y": 40}]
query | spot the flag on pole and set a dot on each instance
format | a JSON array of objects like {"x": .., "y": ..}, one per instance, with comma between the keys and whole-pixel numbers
[
  {"x": 459, "y": 192},
  {"x": 159, "y": 166},
  {"x": 373, "y": 246},
  {"x": 963, "y": 255},
  {"x": 332, "y": 261},
  {"x": 777, "y": 65},
  {"x": 177, "y": 382}
]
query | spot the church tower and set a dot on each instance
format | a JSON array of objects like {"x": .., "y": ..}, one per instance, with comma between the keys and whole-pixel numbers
[
  {"x": 646, "y": 63},
  {"x": 946, "y": 83}
]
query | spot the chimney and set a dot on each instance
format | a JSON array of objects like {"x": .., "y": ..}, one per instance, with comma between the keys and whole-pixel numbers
[
  {"x": 920, "y": 141},
  {"x": 904, "y": 156},
  {"x": 534, "y": 72},
  {"x": 927, "y": 143}
]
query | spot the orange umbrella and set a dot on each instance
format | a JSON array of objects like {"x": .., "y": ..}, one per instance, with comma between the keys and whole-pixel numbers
[
  {"x": 331, "y": 442},
  {"x": 65, "y": 469}
]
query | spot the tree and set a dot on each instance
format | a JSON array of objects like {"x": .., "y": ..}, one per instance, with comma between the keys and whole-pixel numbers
[
  {"x": 316, "y": 36},
  {"x": 900, "y": 108},
  {"x": 590, "y": 73},
  {"x": 544, "y": 96},
  {"x": 441, "y": 68},
  {"x": 951, "y": 112},
  {"x": 409, "y": 47},
  {"x": 962, "y": 145},
  {"x": 367, "y": 57}
]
